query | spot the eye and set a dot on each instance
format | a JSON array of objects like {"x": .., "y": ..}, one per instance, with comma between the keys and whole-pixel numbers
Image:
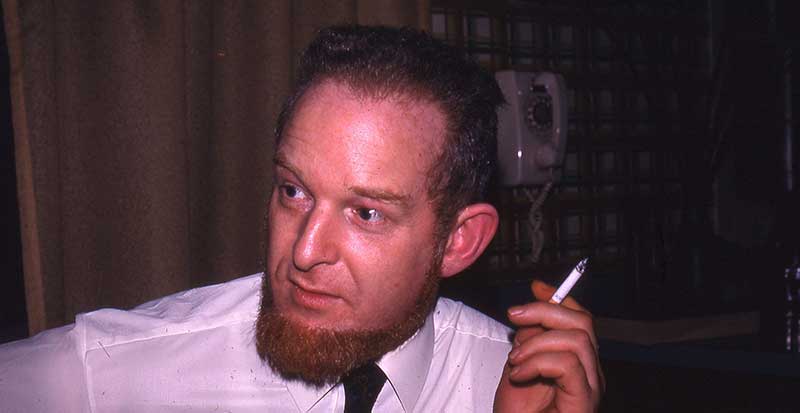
[
  {"x": 371, "y": 215},
  {"x": 292, "y": 192}
]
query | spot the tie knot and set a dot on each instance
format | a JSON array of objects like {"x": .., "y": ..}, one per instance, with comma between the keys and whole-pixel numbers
[{"x": 361, "y": 388}]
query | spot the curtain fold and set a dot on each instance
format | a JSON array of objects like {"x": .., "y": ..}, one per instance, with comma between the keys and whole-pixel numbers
[{"x": 143, "y": 132}]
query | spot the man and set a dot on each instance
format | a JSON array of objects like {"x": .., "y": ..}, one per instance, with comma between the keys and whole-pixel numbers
[{"x": 383, "y": 160}]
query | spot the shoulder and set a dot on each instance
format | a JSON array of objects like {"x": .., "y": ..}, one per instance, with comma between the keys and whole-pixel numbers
[
  {"x": 188, "y": 311},
  {"x": 469, "y": 352},
  {"x": 33, "y": 372},
  {"x": 455, "y": 318},
  {"x": 127, "y": 354},
  {"x": 469, "y": 338},
  {"x": 186, "y": 348}
]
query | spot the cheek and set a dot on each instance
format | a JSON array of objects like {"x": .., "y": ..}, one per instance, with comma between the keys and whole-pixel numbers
[
  {"x": 389, "y": 276},
  {"x": 280, "y": 227}
]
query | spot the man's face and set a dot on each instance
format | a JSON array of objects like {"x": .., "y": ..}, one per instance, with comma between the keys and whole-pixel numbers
[{"x": 351, "y": 228}]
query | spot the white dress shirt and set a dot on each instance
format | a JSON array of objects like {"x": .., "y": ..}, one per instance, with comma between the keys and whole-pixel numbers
[{"x": 195, "y": 352}]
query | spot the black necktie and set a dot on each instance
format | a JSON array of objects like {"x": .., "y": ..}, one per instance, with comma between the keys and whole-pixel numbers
[{"x": 361, "y": 388}]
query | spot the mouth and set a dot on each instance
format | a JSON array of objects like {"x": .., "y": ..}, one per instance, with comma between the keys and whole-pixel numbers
[{"x": 312, "y": 298}]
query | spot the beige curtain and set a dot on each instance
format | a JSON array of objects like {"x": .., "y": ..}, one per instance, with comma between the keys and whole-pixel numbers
[{"x": 143, "y": 132}]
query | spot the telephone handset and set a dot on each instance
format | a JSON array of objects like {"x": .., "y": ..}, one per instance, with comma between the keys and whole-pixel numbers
[
  {"x": 531, "y": 140},
  {"x": 532, "y": 127}
]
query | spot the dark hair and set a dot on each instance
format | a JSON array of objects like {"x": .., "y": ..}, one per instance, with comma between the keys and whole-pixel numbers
[{"x": 384, "y": 61}]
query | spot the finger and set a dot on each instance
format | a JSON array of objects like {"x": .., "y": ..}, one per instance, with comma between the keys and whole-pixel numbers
[
  {"x": 523, "y": 334},
  {"x": 553, "y": 317},
  {"x": 562, "y": 367},
  {"x": 543, "y": 289},
  {"x": 543, "y": 292},
  {"x": 574, "y": 341}
]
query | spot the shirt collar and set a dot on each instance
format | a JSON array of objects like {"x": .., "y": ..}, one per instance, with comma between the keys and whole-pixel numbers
[
  {"x": 406, "y": 369},
  {"x": 306, "y": 395}
]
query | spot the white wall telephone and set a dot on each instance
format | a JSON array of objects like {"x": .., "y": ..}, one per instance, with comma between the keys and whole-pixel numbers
[
  {"x": 531, "y": 140},
  {"x": 532, "y": 127}
]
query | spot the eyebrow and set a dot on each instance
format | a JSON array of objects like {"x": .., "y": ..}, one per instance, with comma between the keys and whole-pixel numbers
[
  {"x": 385, "y": 196},
  {"x": 380, "y": 195},
  {"x": 280, "y": 160}
]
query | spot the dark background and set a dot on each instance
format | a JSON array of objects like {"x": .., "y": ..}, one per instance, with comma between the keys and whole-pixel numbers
[
  {"x": 675, "y": 186},
  {"x": 13, "y": 321}
]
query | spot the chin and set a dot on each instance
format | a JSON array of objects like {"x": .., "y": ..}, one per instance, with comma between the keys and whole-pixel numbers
[{"x": 321, "y": 353}]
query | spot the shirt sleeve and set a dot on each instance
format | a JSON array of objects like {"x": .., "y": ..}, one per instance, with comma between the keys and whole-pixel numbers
[{"x": 44, "y": 373}]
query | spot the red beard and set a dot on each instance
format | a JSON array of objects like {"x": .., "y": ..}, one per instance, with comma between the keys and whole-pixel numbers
[{"x": 322, "y": 356}]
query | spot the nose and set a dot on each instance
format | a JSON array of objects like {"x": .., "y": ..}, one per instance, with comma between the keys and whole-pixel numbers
[{"x": 317, "y": 240}]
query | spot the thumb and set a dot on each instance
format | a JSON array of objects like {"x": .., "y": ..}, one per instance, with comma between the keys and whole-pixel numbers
[{"x": 542, "y": 290}]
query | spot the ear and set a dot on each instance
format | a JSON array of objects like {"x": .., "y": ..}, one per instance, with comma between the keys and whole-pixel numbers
[{"x": 474, "y": 229}]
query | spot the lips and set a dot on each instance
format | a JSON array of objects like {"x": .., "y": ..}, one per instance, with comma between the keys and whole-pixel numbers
[{"x": 312, "y": 298}]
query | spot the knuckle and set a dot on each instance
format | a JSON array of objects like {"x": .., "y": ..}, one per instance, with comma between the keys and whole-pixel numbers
[
  {"x": 586, "y": 321},
  {"x": 572, "y": 362},
  {"x": 583, "y": 338}
]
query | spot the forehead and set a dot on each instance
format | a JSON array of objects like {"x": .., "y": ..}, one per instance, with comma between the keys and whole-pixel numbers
[{"x": 363, "y": 139}]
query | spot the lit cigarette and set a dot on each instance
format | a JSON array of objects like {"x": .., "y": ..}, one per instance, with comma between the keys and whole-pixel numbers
[{"x": 566, "y": 286}]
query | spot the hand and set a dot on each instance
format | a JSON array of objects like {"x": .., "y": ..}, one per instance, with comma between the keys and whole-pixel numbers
[{"x": 553, "y": 365}]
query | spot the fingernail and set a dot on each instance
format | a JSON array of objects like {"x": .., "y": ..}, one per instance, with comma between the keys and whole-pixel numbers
[{"x": 515, "y": 311}]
